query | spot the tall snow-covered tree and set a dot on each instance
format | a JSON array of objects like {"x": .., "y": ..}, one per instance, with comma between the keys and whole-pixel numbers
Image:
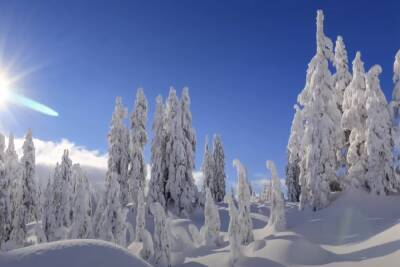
[
  {"x": 161, "y": 236},
  {"x": 294, "y": 155},
  {"x": 189, "y": 143},
  {"x": 13, "y": 174},
  {"x": 342, "y": 77},
  {"x": 159, "y": 170},
  {"x": 341, "y": 80},
  {"x": 322, "y": 136},
  {"x": 378, "y": 142},
  {"x": 19, "y": 231},
  {"x": 81, "y": 226},
  {"x": 212, "y": 222},
  {"x": 277, "y": 219},
  {"x": 140, "y": 216},
  {"x": 118, "y": 156},
  {"x": 138, "y": 138},
  {"x": 48, "y": 219},
  {"x": 112, "y": 225},
  {"x": 354, "y": 120},
  {"x": 219, "y": 169},
  {"x": 28, "y": 183},
  {"x": 395, "y": 109},
  {"x": 244, "y": 198},
  {"x": 208, "y": 170},
  {"x": 180, "y": 187},
  {"x": 233, "y": 230},
  {"x": 62, "y": 198},
  {"x": 5, "y": 204}
]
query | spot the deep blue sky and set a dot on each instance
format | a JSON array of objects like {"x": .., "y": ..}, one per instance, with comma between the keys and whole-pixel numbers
[{"x": 244, "y": 62}]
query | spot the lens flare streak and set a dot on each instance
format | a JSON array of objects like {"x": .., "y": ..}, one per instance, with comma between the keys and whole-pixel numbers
[{"x": 32, "y": 104}]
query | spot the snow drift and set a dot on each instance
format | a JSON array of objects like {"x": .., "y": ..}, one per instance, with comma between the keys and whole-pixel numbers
[{"x": 76, "y": 253}]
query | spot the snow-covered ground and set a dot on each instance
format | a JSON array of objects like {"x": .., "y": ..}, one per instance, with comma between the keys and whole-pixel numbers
[
  {"x": 357, "y": 229},
  {"x": 71, "y": 253}
]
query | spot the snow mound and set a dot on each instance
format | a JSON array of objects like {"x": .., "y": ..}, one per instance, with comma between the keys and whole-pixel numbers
[{"x": 76, "y": 253}]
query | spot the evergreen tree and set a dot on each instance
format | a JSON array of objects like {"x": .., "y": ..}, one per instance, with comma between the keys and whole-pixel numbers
[
  {"x": 244, "y": 198},
  {"x": 294, "y": 156},
  {"x": 48, "y": 219},
  {"x": 180, "y": 187},
  {"x": 62, "y": 198},
  {"x": 208, "y": 171},
  {"x": 322, "y": 136},
  {"x": 212, "y": 222},
  {"x": 29, "y": 188},
  {"x": 189, "y": 143},
  {"x": 140, "y": 216},
  {"x": 378, "y": 142},
  {"x": 112, "y": 225},
  {"x": 5, "y": 204},
  {"x": 138, "y": 138},
  {"x": 277, "y": 218},
  {"x": 395, "y": 108},
  {"x": 233, "y": 230},
  {"x": 161, "y": 236},
  {"x": 341, "y": 80},
  {"x": 219, "y": 169},
  {"x": 81, "y": 226},
  {"x": 157, "y": 182},
  {"x": 12, "y": 175},
  {"x": 354, "y": 120},
  {"x": 118, "y": 157}
]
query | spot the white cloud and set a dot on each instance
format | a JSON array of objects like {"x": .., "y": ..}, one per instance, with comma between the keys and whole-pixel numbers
[{"x": 48, "y": 153}]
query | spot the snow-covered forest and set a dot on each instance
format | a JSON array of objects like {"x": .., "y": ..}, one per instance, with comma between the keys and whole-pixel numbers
[{"x": 342, "y": 169}]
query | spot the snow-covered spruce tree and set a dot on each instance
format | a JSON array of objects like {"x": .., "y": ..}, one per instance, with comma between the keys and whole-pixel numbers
[
  {"x": 62, "y": 198},
  {"x": 13, "y": 174},
  {"x": 207, "y": 168},
  {"x": 81, "y": 226},
  {"x": 342, "y": 77},
  {"x": 138, "y": 138},
  {"x": 244, "y": 198},
  {"x": 395, "y": 109},
  {"x": 180, "y": 188},
  {"x": 341, "y": 80},
  {"x": 158, "y": 176},
  {"x": 378, "y": 142},
  {"x": 161, "y": 236},
  {"x": 189, "y": 142},
  {"x": 219, "y": 169},
  {"x": 19, "y": 230},
  {"x": 118, "y": 157},
  {"x": 277, "y": 219},
  {"x": 212, "y": 222},
  {"x": 322, "y": 137},
  {"x": 354, "y": 120},
  {"x": 5, "y": 204},
  {"x": 112, "y": 225},
  {"x": 233, "y": 230},
  {"x": 294, "y": 155},
  {"x": 48, "y": 220},
  {"x": 29, "y": 188},
  {"x": 140, "y": 215}
]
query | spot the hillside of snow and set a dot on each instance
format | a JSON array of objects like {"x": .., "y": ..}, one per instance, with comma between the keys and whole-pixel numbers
[
  {"x": 68, "y": 253},
  {"x": 357, "y": 229}
]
